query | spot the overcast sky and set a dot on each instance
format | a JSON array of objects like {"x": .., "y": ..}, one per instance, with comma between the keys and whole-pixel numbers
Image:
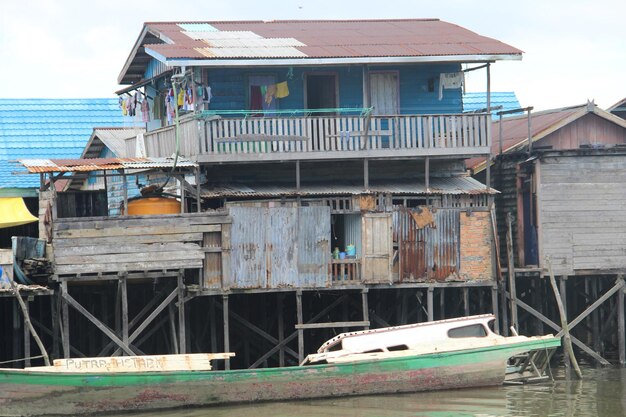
[{"x": 573, "y": 50}]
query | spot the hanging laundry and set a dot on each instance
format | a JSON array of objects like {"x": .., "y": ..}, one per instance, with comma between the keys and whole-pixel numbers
[
  {"x": 208, "y": 95},
  {"x": 124, "y": 107},
  {"x": 181, "y": 98},
  {"x": 145, "y": 110},
  {"x": 282, "y": 90},
  {"x": 449, "y": 80},
  {"x": 270, "y": 93},
  {"x": 256, "y": 98}
]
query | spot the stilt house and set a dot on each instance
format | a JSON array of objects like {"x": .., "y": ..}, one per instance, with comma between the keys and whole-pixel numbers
[{"x": 326, "y": 155}]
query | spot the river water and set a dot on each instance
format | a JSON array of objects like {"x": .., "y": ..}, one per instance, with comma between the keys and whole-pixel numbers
[{"x": 601, "y": 393}]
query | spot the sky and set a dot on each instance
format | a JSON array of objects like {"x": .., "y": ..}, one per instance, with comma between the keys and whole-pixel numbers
[{"x": 574, "y": 50}]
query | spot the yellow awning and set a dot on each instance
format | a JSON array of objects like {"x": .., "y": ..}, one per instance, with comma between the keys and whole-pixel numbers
[{"x": 13, "y": 212}]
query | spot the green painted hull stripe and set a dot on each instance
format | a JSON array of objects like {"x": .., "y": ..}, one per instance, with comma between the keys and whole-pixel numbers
[{"x": 411, "y": 363}]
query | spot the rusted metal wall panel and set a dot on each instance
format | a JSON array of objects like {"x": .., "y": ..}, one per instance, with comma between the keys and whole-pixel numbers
[
  {"x": 248, "y": 257},
  {"x": 313, "y": 246},
  {"x": 431, "y": 251},
  {"x": 282, "y": 228}
]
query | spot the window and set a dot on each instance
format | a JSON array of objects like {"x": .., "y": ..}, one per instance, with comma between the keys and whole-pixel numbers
[{"x": 473, "y": 330}]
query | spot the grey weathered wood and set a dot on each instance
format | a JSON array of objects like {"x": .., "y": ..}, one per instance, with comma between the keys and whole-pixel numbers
[
  {"x": 137, "y": 231},
  {"x": 260, "y": 138},
  {"x": 365, "y": 304},
  {"x": 128, "y": 266},
  {"x": 226, "y": 314},
  {"x": 466, "y": 301},
  {"x": 494, "y": 308},
  {"x": 621, "y": 327},
  {"x": 104, "y": 328},
  {"x": 430, "y": 304},
  {"x": 332, "y": 325},
  {"x": 281, "y": 330},
  {"x": 511, "y": 270},
  {"x": 124, "y": 305},
  {"x": 556, "y": 327},
  {"x": 104, "y": 241},
  {"x": 65, "y": 327},
  {"x": 181, "y": 313},
  {"x": 300, "y": 322}
]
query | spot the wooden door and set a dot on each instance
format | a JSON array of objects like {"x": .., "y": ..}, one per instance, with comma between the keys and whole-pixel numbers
[
  {"x": 377, "y": 235},
  {"x": 384, "y": 93}
]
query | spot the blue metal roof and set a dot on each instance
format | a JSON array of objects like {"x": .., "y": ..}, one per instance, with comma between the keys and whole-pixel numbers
[
  {"x": 48, "y": 128},
  {"x": 477, "y": 101}
]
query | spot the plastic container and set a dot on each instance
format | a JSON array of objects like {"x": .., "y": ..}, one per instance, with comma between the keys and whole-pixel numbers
[
  {"x": 153, "y": 205},
  {"x": 351, "y": 251},
  {"x": 342, "y": 255}
]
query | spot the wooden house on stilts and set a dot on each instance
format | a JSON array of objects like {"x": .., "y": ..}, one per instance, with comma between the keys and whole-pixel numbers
[
  {"x": 319, "y": 171},
  {"x": 561, "y": 175}
]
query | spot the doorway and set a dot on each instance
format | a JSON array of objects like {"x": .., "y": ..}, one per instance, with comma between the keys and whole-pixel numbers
[{"x": 321, "y": 91}]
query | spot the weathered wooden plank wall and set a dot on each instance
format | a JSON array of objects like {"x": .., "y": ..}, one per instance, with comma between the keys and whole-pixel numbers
[
  {"x": 109, "y": 245},
  {"x": 582, "y": 201}
]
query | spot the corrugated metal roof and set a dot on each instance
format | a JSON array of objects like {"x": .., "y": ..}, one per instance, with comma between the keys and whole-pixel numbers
[
  {"x": 478, "y": 101},
  {"x": 327, "y": 38},
  {"x": 100, "y": 164},
  {"x": 309, "y": 39},
  {"x": 112, "y": 138},
  {"x": 48, "y": 128},
  {"x": 450, "y": 186},
  {"x": 515, "y": 129}
]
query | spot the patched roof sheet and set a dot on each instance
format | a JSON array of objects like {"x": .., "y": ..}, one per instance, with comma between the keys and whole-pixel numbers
[{"x": 321, "y": 39}]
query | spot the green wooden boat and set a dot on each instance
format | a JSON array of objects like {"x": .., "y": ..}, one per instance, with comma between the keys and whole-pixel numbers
[{"x": 446, "y": 354}]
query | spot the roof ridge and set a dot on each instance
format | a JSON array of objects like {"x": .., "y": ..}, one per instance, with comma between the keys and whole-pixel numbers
[{"x": 404, "y": 19}]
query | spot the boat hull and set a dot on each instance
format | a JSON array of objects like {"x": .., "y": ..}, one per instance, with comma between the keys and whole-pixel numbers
[{"x": 32, "y": 393}]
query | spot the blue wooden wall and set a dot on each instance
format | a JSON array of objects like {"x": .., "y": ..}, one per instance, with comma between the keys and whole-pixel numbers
[{"x": 229, "y": 87}]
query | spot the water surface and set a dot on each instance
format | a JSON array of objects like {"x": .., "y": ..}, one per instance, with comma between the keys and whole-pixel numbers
[{"x": 601, "y": 393}]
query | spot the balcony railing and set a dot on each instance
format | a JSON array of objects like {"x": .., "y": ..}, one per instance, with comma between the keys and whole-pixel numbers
[{"x": 231, "y": 139}]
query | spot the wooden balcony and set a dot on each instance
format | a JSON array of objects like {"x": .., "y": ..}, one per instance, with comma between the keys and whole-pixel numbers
[{"x": 231, "y": 139}]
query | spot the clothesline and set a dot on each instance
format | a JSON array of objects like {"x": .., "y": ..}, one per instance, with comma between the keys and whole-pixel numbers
[{"x": 289, "y": 112}]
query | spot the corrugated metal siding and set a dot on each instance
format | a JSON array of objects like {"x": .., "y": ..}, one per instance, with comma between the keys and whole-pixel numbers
[
  {"x": 432, "y": 252},
  {"x": 280, "y": 247},
  {"x": 313, "y": 246},
  {"x": 282, "y": 252},
  {"x": 248, "y": 237}
]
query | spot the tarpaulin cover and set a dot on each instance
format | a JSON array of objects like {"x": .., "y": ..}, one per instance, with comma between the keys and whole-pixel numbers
[{"x": 13, "y": 212}]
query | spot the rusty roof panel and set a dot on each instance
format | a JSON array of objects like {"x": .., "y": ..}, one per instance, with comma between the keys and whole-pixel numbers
[
  {"x": 449, "y": 186},
  {"x": 99, "y": 164},
  {"x": 324, "y": 39}
]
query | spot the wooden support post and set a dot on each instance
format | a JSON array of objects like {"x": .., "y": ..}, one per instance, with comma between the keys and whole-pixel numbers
[
  {"x": 182, "y": 339},
  {"x": 103, "y": 328},
  {"x": 366, "y": 173},
  {"x": 213, "y": 324},
  {"x": 123, "y": 282},
  {"x": 511, "y": 270},
  {"x": 26, "y": 311},
  {"x": 281, "y": 329},
  {"x": 466, "y": 301},
  {"x": 442, "y": 303},
  {"x": 429, "y": 303},
  {"x": 16, "y": 333},
  {"x": 125, "y": 190},
  {"x": 427, "y": 174},
  {"x": 298, "y": 175},
  {"x": 173, "y": 336},
  {"x": 595, "y": 316},
  {"x": 54, "y": 316},
  {"x": 198, "y": 197},
  {"x": 562, "y": 303},
  {"x": 494, "y": 308},
  {"x": 300, "y": 322},
  {"x": 366, "y": 311},
  {"x": 621, "y": 329},
  {"x": 226, "y": 329},
  {"x": 504, "y": 302},
  {"x": 65, "y": 328}
]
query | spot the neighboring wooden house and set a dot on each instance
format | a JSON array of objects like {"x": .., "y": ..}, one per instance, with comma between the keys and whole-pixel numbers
[
  {"x": 578, "y": 129},
  {"x": 618, "y": 109},
  {"x": 310, "y": 136}
]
